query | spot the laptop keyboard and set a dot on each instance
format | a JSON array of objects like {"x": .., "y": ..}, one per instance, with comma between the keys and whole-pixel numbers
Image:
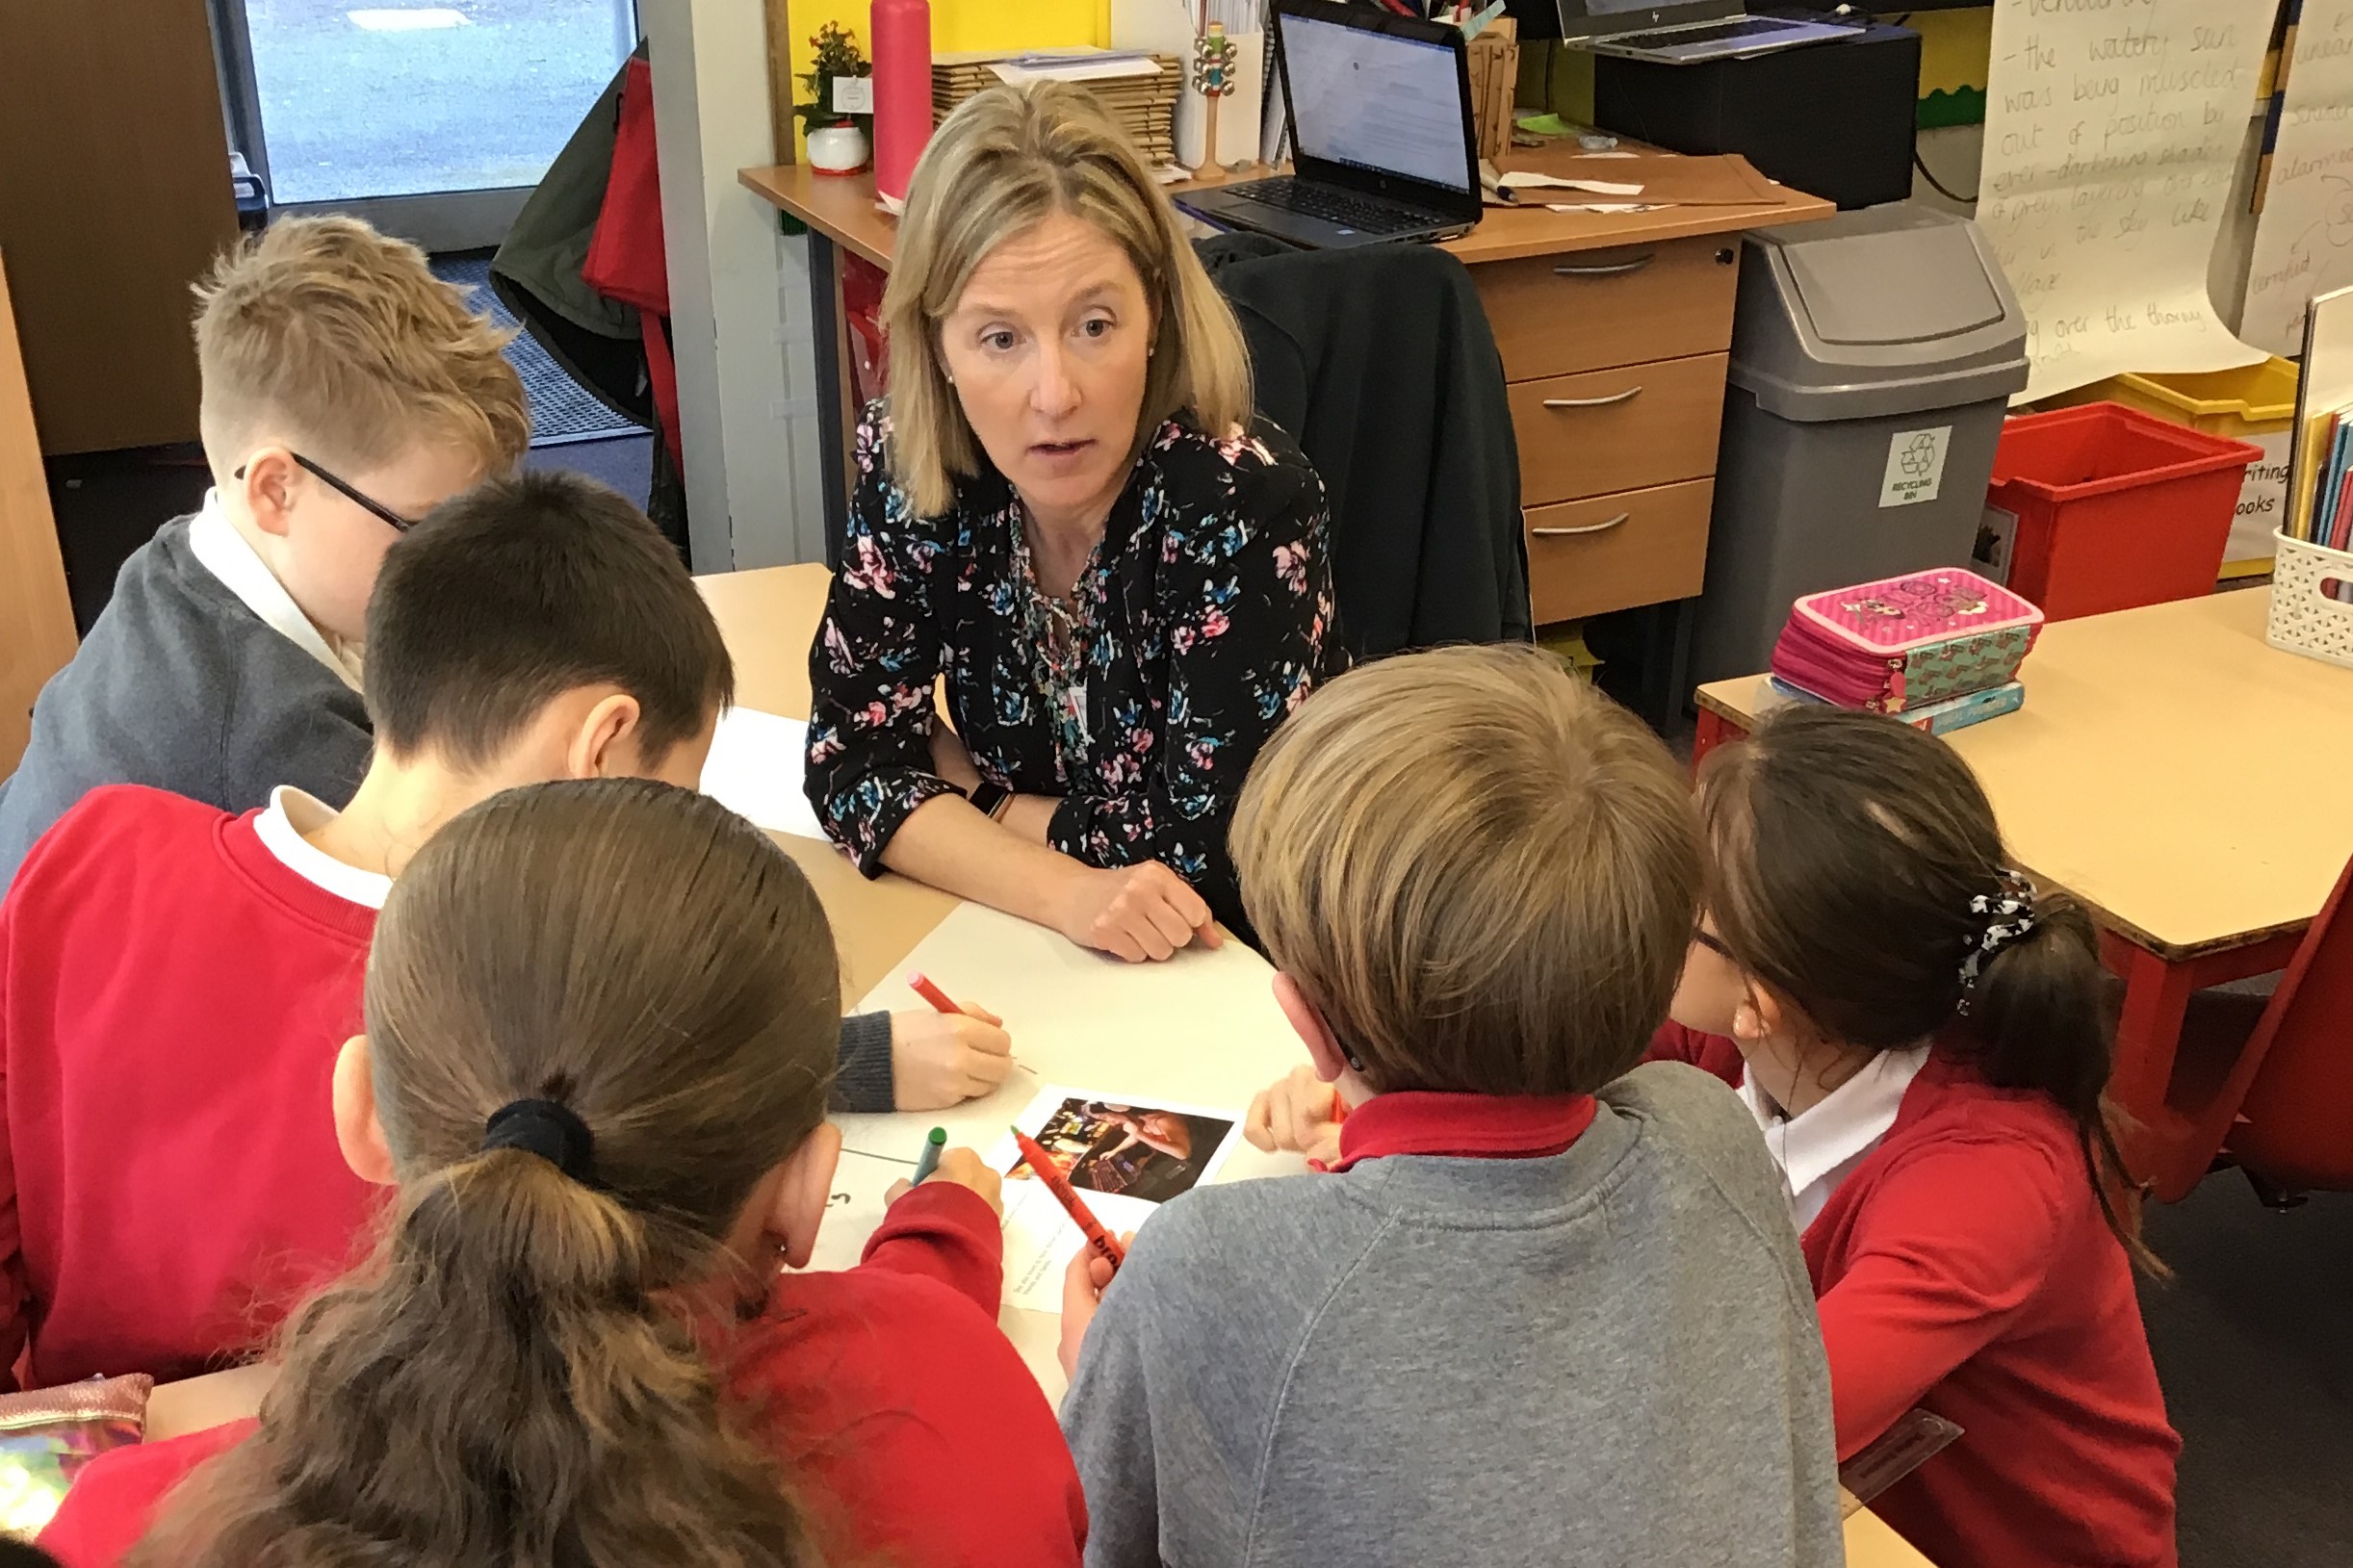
[
  {"x": 1743, "y": 27},
  {"x": 1365, "y": 216}
]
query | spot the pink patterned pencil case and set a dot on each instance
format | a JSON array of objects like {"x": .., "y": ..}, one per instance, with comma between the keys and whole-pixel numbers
[{"x": 1905, "y": 641}]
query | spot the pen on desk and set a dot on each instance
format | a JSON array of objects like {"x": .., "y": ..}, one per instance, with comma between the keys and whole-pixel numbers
[
  {"x": 1058, "y": 1184},
  {"x": 931, "y": 993},
  {"x": 933, "y": 1144}
]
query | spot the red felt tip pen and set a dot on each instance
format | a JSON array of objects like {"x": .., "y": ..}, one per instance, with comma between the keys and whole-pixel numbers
[
  {"x": 1058, "y": 1184},
  {"x": 931, "y": 993}
]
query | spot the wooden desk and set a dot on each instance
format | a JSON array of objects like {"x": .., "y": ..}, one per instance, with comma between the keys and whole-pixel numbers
[
  {"x": 769, "y": 618},
  {"x": 2147, "y": 774},
  {"x": 36, "y": 618},
  {"x": 1613, "y": 329}
]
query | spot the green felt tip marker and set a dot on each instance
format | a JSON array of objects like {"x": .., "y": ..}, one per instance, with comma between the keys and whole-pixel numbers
[{"x": 930, "y": 1162}]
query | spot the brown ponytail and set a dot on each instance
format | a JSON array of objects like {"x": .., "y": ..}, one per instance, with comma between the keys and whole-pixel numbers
[
  {"x": 1847, "y": 850},
  {"x": 516, "y": 1380}
]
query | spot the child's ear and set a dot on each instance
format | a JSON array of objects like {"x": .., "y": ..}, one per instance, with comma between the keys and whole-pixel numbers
[
  {"x": 1760, "y": 1015},
  {"x": 357, "y": 1130},
  {"x": 604, "y": 746},
  {"x": 803, "y": 1187},
  {"x": 1324, "y": 1048},
  {"x": 268, "y": 485}
]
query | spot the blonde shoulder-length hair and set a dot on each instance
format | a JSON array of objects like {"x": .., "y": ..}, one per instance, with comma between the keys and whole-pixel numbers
[{"x": 1005, "y": 160}]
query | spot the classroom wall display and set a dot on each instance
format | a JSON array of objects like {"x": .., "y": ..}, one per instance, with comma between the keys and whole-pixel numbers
[
  {"x": 2112, "y": 128},
  {"x": 2304, "y": 238}
]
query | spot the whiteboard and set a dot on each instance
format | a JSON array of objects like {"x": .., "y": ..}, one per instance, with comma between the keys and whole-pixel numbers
[
  {"x": 2303, "y": 238},
  {"x": 2112, "y": 128}
]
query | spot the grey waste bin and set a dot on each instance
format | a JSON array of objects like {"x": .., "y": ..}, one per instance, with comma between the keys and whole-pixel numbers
[{"x": 1873, "y": 356}]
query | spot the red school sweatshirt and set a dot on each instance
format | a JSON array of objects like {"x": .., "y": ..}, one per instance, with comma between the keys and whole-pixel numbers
[
  {"x": 171, "y": 1000},
  {"x": 1965, "y": 1267},
  {"x": 901, "y": 1416}
]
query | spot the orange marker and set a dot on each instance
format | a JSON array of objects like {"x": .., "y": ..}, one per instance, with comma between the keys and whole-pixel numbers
[
  {"x": 931, "y": 993},
  {"x": 1058, "y": 1184}
]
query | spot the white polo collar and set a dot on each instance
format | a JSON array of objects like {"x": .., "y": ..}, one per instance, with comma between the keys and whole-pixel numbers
[
  {"x": 231, "y": 557},
  {"x": 1818, "y": 1148},
  {"x": 291, "y": 814}
]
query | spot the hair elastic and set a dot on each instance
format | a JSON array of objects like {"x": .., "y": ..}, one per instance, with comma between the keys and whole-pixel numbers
[
  {"x": 2008, "y": 916},
  {"x": 549, "y": 1129}
]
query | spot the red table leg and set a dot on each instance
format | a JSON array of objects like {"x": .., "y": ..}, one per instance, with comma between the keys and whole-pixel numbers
[
  {"x": 2171, "y": 1144},
  {"x": 2149, "y": 1031}
]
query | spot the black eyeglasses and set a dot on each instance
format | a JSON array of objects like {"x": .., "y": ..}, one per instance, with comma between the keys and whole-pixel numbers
[{"x": 375, "y": 509}]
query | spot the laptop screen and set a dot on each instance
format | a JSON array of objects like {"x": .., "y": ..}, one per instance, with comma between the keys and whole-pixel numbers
[{"x": 1375, "y": 101}]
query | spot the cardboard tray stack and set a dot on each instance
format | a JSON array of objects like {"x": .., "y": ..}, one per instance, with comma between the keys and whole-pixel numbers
[{"x": 1145, "y": 107}]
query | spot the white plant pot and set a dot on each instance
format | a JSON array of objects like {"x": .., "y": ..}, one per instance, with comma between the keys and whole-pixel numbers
[{"x": 838, "y": 149}]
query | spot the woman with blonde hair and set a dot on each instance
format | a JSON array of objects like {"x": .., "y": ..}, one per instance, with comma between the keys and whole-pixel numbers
[
  {"x": 1066, "y": 509},
  {"x": 600, "y": 1022}
]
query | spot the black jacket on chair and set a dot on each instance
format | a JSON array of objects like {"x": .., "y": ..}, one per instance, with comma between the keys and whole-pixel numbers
[{"x": 1381, "y": 364}]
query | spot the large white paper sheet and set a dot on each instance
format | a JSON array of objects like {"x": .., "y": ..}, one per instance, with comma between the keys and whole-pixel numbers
[
  {"x": 1200, "y": 1029},
  {"x": 2303, "y": 238},
  {"x": 756, "y": 767},
  {"x": 2112, "y": 128}
]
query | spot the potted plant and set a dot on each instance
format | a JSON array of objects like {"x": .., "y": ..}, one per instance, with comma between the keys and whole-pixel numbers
[{"x": 837, "y": 136}]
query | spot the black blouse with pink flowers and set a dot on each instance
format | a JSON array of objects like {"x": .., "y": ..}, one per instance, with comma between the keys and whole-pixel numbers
[{"x": 1203, "y": 618}]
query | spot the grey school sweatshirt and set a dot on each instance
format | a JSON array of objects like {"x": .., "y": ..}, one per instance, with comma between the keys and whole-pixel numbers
[
  {"x": 181, "y": 687},
  {"x": 1608, "y": 1357}
]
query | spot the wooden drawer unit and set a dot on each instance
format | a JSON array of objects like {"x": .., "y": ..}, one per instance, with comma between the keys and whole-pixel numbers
[
  {"x": 1627, "y": 428},
  {"x": 1606, "y": 553},
  {"x": 1582, "y": 310}
]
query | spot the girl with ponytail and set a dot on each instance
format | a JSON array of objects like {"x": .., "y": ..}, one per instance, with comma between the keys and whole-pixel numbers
[
  {"x": 600, "y": 1037},
  {"x": 1922, "y": 1038}
]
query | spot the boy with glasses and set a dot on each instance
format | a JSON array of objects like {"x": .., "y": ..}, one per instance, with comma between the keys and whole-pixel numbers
[{"x": 345, "y": 392}]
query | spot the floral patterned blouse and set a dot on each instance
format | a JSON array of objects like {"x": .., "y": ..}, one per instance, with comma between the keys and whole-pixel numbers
[{"x": 1203, "y": 618}]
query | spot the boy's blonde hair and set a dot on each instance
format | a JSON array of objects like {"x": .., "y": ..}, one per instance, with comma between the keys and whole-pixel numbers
[
  {"x": 1007, "y": 159},
  {"x": 1482, "y": 871},
  {"x": 323, "y": 333}
]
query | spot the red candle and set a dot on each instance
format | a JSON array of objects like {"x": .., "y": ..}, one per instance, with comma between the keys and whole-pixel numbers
[{"x": 902, "y": 91}]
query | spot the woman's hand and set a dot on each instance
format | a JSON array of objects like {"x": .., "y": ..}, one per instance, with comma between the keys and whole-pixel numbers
[
  {"x": 1296, "y": 1115},
  {"x": 942, "y": 1059},
  {"x": 1138, "y": 912},
  {"x": 962, "y": 1168}
]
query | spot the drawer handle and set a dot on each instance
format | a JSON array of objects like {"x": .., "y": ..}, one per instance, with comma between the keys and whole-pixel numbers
[
  {"x": 1632, "y": 392},
  {"x": 1589, "y": 528},
  {"x": 1608, "y": 269}
]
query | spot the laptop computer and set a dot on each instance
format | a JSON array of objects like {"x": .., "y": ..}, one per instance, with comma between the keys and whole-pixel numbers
[
  {"x": 1383, "y": 145},
  {"x": 1686, "y": 32}
]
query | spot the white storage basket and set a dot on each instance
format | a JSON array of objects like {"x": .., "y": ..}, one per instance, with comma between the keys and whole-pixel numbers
[{"x": 2304, "y": 618}]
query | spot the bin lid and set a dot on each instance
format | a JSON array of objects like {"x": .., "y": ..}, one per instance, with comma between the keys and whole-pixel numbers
[{"x": 1888, "y": 310}]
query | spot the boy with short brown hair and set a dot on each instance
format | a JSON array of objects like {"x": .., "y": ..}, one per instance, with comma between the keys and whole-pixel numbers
[
  {"x": 1544, "y": 1308},
  {"x": 346, "y": 391}
]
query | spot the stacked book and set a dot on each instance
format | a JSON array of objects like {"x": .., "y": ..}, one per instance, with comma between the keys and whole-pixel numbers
[
  {"x": 1939, "y": 648},
  {"x": 1139, "y": 91}
]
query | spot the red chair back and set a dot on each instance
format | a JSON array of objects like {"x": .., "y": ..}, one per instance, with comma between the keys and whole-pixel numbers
[{"x": 2296, "y": 1123}]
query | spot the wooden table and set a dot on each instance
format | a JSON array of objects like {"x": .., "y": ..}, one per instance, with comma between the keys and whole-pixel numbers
[
  {"x": 1614, "y": 331},
  {"x": 2151, "y": 774},
  {"x": 769, "y": 618}
]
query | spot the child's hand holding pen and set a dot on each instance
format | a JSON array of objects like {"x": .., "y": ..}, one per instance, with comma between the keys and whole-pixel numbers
[
  {"x": 947, "y": 1055},
  {"x": 964, "y": 1168},
  {"x": 1083, "y": 1284},
  {"x": 1299, "y": 1112}
]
